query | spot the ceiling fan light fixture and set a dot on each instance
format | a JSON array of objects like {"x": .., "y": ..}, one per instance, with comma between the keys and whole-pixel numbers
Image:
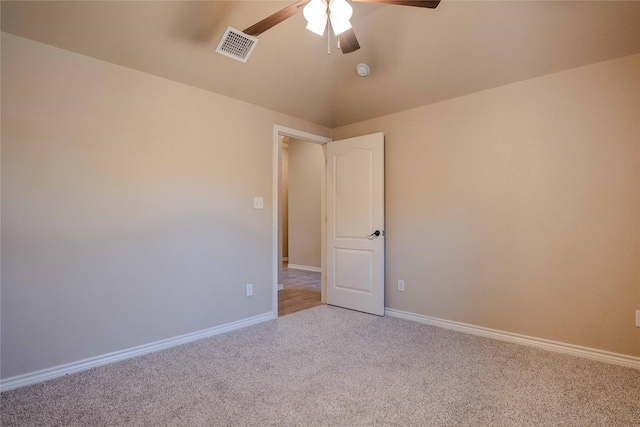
[
  {"x": 340, "y": 9},
  {"x": 340, "y": 12},
  {"x": 315, "y": 12},
  {"x": 339, "y": 25},
  {"x": 318, "y": 25}
]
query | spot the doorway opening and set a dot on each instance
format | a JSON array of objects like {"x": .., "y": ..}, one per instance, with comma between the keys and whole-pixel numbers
[
  {"x": 300, "y": 284},
  {"x": 297, "y": 288}
]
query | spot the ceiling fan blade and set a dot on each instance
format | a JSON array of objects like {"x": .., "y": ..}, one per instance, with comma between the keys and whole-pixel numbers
[
  {"x": 431, "y": 4},
  {"x": 273, "y": 20},
  {"x": 348, "y": 41}
]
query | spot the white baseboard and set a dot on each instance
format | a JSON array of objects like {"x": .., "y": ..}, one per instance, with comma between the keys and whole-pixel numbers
[
  {"x": 558, "y": 347},
  {"x": 70, "y": 368},
  {"x": 280, "y": 286},
  {"x": 305, "y": 268}
]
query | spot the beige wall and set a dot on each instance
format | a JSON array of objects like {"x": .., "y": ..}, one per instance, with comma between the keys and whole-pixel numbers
[
  {"x": 127, "y": 207},
  {"x": 518, "y": 208},
  {"x": 306, "y": 161}
]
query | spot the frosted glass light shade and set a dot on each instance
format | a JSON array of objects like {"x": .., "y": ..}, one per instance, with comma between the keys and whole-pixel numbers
[
  {"x": 339, "y": 25},
  {"x": 315, "y": 12},
  {"x": 340, "y": 10},
  {"x": 340, "y": 13},
  {"x": 318, "y": 25}
]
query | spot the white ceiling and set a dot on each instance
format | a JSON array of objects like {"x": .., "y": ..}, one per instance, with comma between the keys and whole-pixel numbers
[{"x": 417, "y": 56}]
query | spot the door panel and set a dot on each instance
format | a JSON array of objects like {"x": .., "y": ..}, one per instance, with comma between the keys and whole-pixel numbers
[
  {"x": 354, "y": 270},
  {"x": 355, "y": 210},
  {"x": 353, "y": 175}
]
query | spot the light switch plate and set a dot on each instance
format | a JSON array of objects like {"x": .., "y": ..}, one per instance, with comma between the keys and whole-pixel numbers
[
  {"x": 258, "y": 202},
  {"x": 638, "y": 318}
]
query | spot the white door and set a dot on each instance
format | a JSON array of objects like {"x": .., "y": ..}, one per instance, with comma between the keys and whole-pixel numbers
[{"x": 355, "y": 223}]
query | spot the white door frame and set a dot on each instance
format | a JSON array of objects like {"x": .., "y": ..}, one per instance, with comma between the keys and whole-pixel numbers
[{"x": 278, "y": 132}]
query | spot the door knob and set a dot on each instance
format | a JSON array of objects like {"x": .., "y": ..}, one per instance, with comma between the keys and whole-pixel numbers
[{"x": 374, "y": 235}]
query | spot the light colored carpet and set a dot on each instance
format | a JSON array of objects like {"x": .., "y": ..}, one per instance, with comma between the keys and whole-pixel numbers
[{"x": 332, "y": 367}]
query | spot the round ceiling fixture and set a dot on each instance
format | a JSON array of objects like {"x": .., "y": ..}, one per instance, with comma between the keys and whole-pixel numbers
[{"x": 363, "y": 70}]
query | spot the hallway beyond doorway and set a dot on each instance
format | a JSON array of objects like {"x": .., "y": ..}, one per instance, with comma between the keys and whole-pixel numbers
[{"x": 301, "y": 290}]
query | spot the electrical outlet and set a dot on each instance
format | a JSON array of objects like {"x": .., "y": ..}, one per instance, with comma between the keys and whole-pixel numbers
[
  {"x": 249, "y": 289},
  {"x": 638, "y": 318},
  {"x": 258, "y": 202},
  {"x": 401, "y": 285}
]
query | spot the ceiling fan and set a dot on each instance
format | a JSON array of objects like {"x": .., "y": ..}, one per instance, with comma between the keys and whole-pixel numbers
[{"x": 321, "y": 14}]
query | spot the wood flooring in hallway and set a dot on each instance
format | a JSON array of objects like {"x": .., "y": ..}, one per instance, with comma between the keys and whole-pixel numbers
[{"x": 301, "y": 291}]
